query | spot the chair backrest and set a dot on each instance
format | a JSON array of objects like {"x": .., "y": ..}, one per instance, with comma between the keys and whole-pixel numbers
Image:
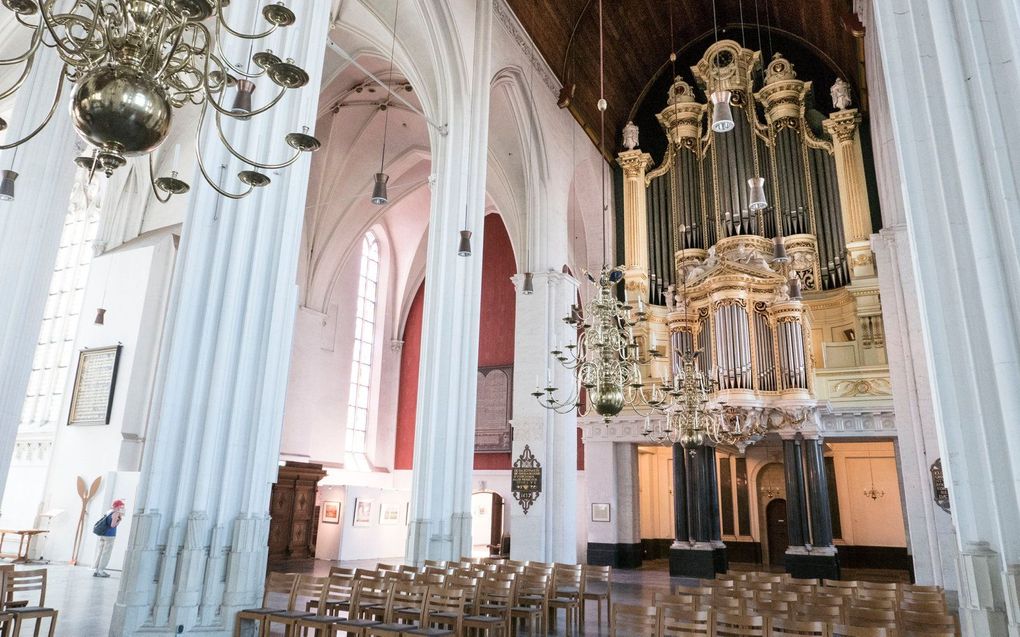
[
  {"x": 688, "y": 602},
  {"x": 882, "y": 603},
  {"x": 568, "y": 576},
  {"x": 467, "y": 584},
  {"x": 367, "y": 574},
  {"x": 917, "y": 620},
  {"x": 309, "y": 587},
  {"x": 727, "y": 603},
  {"x": 341, "y": 571},
  {"x": 406, "y": 596},
  {"x": 430, "y": 579},
  {"x": 628, "y": 620},
  {"x": 21, "y": 584},
  {"x": 842, "y": 630},
  {"x": 778, "y": 596},
  {"x": 871, "y": 617},
  {"x": 738, "y": 625},
  {"x": 532, "y": 584},
  {"x": 692, "y": 590},
  {"x": 379, "y": 566},
  {"x": 768, "y": 608},
  {"x": 783, "y": 626},
  {"x": 494, "y": 592},
  {"x": 935, "y": 608},
  {"x": 923, "y": 596},
  {"x": 340, "y": 588},
  {"x": 374, "y": 593},
  {"x": 838, "y": 583},
  {"x": 678, "y": 622},
  {"x": 766, "y": 578},
  {"x": 815, "y": 612},
  {"x": 921, "y": 588},
  {"x": 407, "y": 568},
  {"x": 718, "y": 583},
  {"x": 880, "y": 586},
  {"x": 825, "y": 599},
  {"x": 277, "y": 585},
  {"x": 449, "y": 602},
  {"x": 927, "y": 631},
  {"x": 598, "y": 574},
  {"x": 436, "y": 563},
  {"x": 877, "y": 593}
]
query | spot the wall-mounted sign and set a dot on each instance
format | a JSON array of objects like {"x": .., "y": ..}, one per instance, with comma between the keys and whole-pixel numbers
[
  {"x": 92, "y": 396},
  {"x": 493, "y": 409},
  {"x": 526, "y": 479},
  {"x": 938, "y": 485}
]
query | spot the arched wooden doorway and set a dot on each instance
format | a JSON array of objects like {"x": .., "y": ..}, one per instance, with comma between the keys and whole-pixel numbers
[
  {"x": 486, "y": 522},
  {"x": 775, "y": 525}
]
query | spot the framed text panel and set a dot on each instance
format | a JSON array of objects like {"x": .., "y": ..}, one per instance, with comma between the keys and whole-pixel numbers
[{"x": 94, "y": 382}]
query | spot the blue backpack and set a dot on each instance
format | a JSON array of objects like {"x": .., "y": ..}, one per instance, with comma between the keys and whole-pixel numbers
[{"x": 102, "y": 525}]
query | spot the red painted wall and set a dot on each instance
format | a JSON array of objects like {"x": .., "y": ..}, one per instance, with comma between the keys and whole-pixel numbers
[{"x": 496, "y": 347}]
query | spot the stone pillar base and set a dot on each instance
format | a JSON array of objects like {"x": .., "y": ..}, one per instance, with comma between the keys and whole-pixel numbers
[
  {"x": 698, "y": 563},
  {"x": 615, "y": 555},
  {"x": 812, "y": 565},
  {"x": 721, "y": 559}
]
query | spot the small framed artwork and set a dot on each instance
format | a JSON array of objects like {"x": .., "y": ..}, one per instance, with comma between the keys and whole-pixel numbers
[
  {"x": 331, "y": 512},
  {"x": 362, "y": 512},
  {"x": 600, "y": 512},
  {"x": 389, "y": 514}
]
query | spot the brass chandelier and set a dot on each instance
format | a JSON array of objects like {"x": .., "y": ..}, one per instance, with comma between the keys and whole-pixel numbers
[
  {"x": 606, "y": 359},
  {"x": 133, "y": 62}
]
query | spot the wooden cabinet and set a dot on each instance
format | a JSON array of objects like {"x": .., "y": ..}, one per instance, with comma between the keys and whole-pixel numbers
[{"x": 293, "y": 512}]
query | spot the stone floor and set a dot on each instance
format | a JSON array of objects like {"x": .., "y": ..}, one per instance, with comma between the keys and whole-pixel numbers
[{"x": 86, "y": 603}]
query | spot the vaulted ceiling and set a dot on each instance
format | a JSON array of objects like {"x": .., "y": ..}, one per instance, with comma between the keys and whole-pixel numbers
[{"x": 637, "y": 43}]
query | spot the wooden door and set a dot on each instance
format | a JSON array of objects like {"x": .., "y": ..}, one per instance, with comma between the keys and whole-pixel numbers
[
  {"x": 496, "y": 534},
  {"x": 779, "y": 541}
]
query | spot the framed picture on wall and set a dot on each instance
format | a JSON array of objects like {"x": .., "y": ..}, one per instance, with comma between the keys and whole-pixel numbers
[
  {"x": 331, "y": 512},
  {"x": 362, "y": 512},
  {"x": 600, "y": 512},
  {"x": 389, "y": 514}
]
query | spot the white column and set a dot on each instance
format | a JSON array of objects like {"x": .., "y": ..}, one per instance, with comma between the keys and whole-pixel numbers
[
  {"x": 198, "y": 545},
  {"x": 440, "y": 526},
  {"x": 30, "y": 228},
  {"x": 548, "y": 531},
  {"x": 952, "y": 90}
]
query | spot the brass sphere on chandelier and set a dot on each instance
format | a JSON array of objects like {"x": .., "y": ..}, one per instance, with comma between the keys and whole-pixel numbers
[{"x": 121, "y": 110}]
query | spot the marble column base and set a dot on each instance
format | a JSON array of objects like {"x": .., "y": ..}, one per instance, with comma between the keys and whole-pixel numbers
[
  {"x": 697, "y": 562},
  {"x": 615, "y": 555},
  {"x": 804, "y": 565}
]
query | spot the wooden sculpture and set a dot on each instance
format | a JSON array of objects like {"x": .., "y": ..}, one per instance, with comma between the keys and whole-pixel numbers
[{"x": 86, "y": 496}]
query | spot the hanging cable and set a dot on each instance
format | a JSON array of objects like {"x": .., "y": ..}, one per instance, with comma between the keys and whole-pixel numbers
[
  {"x": 602, "y": 136},
  {"x": 389, "y": 85}
]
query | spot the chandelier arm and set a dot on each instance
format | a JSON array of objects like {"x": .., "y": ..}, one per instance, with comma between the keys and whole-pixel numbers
[
  {"x": 48, "y": 20},
  {"x": 221, "y": 20},
  {"x": 201, "y": 163},
  {"x": 152, "y": 184},
  {"x": 49, "y": 115},
  {"x": 219, "y": 109},
  {"x": 20, "y": 81},
  {"x": 174, "y": 47},
  {"x": 247, "y": 160},
  {"x": 28, "y": 54}
]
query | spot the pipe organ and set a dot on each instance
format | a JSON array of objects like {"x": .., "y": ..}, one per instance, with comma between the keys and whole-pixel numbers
[{"x": 726, "y": 267}]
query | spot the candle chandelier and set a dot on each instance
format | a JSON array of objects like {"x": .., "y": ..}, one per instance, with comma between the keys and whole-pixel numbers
[
  {"x": 606, "y": 359},
  {"x": 133, "y": 63}
]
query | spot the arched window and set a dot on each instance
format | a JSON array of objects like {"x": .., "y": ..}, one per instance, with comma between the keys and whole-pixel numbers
[{"x": 361, "y": 361}]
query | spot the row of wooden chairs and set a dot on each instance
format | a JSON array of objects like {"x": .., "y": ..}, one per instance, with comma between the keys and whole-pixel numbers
[
  {"x": 435, "y": 599},
  {"x": 676, "y": 621},
  {"x": 24, "y": 601}
]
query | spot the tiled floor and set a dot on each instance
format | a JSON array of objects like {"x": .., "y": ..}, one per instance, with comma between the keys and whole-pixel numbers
[{"x": 86, "y": 603}]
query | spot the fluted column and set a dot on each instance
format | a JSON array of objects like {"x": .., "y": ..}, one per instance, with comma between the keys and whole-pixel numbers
[
  {"x": 635, "y": 223},
  {"x": 695, "y": 555},
  {"x": 818, "y": 494},
  {"x": 951, "y": 82},
  {"x": 680, "y": 500},
  {"x": 853, "y": 190},
  {"x": 548, "y": 531},
  {"x": 810, "y": 553},
  {"x": 440, "y": 527},
  {"x": 198, "y": 544},
  {"x": 796, "y": 505},
  {"x": 30, "y": 228}
]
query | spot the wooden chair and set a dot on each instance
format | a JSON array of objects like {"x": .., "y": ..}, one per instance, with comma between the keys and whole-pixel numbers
[
  {"x": 369, "y": 597},
  {"x": 691, "y": 590},
  {"x": 933, "y": 608},
  {"x": 629, "y": 620},
  {"x": 843, "y": 630},
  {"x": 930, "y": 631},
  {"x": 21, "y": 584},
  {"x": 567, "y": 589},
  {"x": 878, "y": 586},
  {"x": 436, "y": 563},
  {"x": 923, "y": 596},
  {"x": 918, "y": 621},
  {"x": 769, "y": 609},
  {"x": 406, "y": 610},
  {"x": 680, "y": 602},
  {"x": 800, "y": 589},
  {"x": 877, "y": 603},
  {"x": 531, "y": 602},
  {"x": 677, "y": 622},
  {"x": 598, "y": 586},
  {"x": 778, "y": 596},
  {"x": 336, "y": 599},
  {"x": 491, "y": 613},
  {"x": 800, "y": 628},
  {"x": 308, "y": 589},
  {"x": 816, "y": 612},
  {"x": 726, "y": 604},
  {"x": 278, "y": 585},
  {"x": 341, "y": 588},
  {"x": 444, "y": 614},
  {"x": 739, "y": 625},
  {"x": 921, "y": 588},
  {"x": 882, "y": 618},
  {"x": 838, "y": 583}
]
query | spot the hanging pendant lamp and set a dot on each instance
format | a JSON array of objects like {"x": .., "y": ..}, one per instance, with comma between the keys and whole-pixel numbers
[
  {"x": 464, "y": 248},
  {"x": 529, "y": 283},
  {"x": 7, "y": 185},
  {"x": 722, "y": 115},
  {"x": 379, "y": 194},
  {"x": 756, "y": 198}
]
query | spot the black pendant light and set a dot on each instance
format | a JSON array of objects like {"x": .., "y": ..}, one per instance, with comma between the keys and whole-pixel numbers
[{"x": 379, "y": 195}]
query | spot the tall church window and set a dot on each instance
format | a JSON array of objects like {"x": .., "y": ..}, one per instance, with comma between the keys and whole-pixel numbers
[{"x": 361, "y": 361}]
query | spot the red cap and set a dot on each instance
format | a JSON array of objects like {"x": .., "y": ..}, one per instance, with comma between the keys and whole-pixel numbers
[{"x": 118, "y": 504}]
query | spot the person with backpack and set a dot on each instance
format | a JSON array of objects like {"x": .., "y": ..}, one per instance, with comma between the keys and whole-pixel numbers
[{"x": 106, "y": 529}]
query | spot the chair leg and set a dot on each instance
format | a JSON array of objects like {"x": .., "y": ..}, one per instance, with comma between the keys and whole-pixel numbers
[{"x": 53, "y": 624}]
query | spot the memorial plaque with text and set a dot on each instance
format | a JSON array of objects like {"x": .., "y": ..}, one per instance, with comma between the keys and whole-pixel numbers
[
  {"x": 493, "y": 409},
  {"x": 92, "y": 397},
  {"x": 526, "y": 479}
]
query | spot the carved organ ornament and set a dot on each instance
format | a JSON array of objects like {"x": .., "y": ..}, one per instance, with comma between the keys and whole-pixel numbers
[{"x": 694, "y": 223}]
